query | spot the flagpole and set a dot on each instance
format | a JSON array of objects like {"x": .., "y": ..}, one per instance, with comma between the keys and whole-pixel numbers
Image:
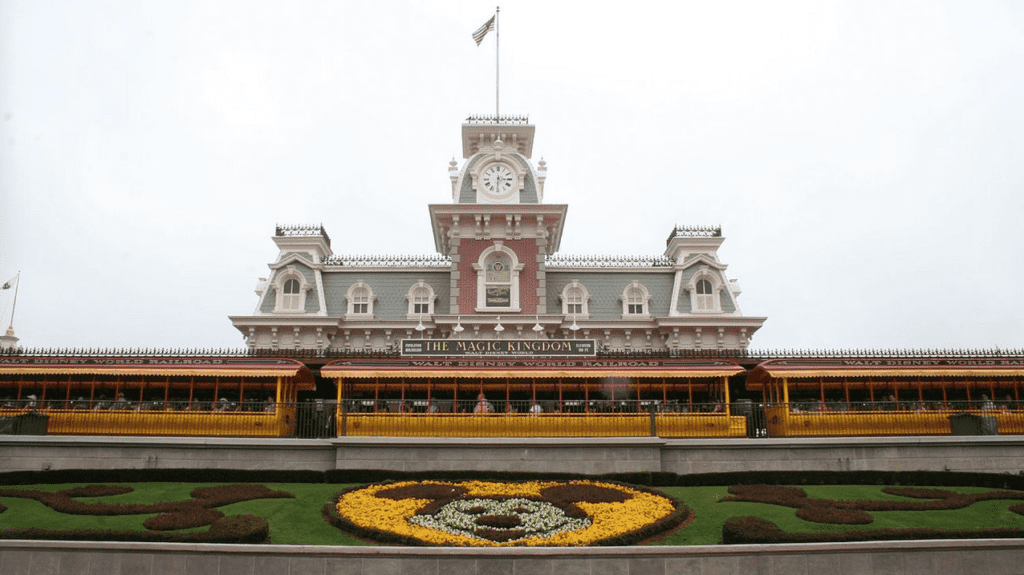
[
  {"x": 497, "y": 69},
  {"x": 15, "y": 304}
]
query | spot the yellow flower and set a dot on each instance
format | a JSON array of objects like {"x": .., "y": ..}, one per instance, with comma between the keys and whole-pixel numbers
[{"x": 363, "y": 508}]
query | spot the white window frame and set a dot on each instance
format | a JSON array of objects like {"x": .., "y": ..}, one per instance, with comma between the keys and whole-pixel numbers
[
  {"x": 419, "y": 287},
  {"x": 351, "y": 296},
  {"x": 705, "y": 295},
  {"x": 705, "y": 303},
  {"x": 644, "y": 297},
  {"x": 482, "y": 265},
  {"x": 584, "y": 303},
  {"x": 297, "y": 300}
]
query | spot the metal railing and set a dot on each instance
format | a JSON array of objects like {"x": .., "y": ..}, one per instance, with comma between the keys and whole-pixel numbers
[
  {"x": 547, "y": 418},
  {"x": 170, "y": 418},
  {"x": 891, "y": 418},
  {"x": 474, "y": 418}
]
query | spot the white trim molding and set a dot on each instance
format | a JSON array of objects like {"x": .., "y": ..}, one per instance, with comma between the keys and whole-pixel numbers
[
  {"x": 575, "y": 287},
  {"x": 636, "y": 294},
  {"x": 420, "y": 293},
  {"x": 290, "y": 297},
  {"x": 507, "y": 277},
  {"x": 705, "y": 298},
  {"x": 360, "y": 300}
]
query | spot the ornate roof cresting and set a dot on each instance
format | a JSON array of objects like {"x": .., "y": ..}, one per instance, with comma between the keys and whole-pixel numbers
[
  {"x": 295, "y": 230},
  {"x": 753, "y": 354},
  {"x": 492, "y": 119},
  {"x": 573, "y": 261},
  {"x": 379, "y": 261},
  {"x": 694, "y": 232},
  {"x": 882, "y": 353}
]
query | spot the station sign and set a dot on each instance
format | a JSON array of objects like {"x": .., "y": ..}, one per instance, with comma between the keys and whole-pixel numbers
[{"x": 504, "y": 348}]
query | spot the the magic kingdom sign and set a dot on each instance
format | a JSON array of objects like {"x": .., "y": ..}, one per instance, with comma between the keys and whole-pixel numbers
[{"x": 520, "y": 347}]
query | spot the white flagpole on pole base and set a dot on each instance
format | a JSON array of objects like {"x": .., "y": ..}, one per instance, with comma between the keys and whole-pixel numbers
[
  {"x": 497, "y": 45},
  {"x": 15, "y": 304}
]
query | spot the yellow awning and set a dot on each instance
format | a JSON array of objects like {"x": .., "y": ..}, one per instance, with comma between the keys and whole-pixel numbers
[
  {"x": 349, "y": 372},
  {"x": 159, "y": 367},
  {"x": 893, "y": 368},
  {"x": 893, "y": 372}
]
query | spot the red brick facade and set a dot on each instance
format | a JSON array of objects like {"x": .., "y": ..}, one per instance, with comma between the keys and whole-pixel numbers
[{"x": 469, "y": 254}]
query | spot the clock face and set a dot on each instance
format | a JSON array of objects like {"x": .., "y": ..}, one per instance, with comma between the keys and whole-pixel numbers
[{"x": 498, "y": 180}]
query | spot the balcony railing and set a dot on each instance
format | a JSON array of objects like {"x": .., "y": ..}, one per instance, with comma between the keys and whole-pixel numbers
[
  {"x": 550, "y": 418},
  {"x": 473, "y": 418}
]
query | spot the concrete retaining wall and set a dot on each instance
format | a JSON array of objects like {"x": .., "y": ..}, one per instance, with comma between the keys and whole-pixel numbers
[
  {"x": 981, "y": 557},
  {"x": 994, "y": 454},
  {"x": 587, "y": 455},
  {"x": 36, "y": 453},
  {"x": 985, "y": 454}
]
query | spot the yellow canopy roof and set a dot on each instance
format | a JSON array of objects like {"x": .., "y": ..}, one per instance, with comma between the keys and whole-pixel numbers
[
  {"x": 525, "y": 368},
  {"x": 805, "y": 368},
  {"x": 156, "y": 366}
]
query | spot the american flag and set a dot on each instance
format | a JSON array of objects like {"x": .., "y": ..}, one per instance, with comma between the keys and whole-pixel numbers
[{"x": 487, "y": 27}]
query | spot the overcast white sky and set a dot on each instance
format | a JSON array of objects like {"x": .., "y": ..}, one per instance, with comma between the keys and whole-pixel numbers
[{"x": 865, "y": 158}]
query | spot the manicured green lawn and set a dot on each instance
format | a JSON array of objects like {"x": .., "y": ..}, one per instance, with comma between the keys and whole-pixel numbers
[
  {"x": 711, "y": 512},
  {"x": 298, "y": 521},
  {"x": 292, "y": 521}
]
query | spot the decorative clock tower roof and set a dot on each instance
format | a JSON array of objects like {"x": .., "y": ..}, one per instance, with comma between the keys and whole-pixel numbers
[
  {"x": 480, "y": 132},
  {"x": 498, "y": 169}
]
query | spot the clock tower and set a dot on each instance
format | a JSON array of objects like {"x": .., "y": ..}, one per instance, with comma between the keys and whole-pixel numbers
[{"x": 498, "y": 231}]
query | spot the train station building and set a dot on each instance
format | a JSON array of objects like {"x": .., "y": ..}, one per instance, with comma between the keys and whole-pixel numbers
[{"x": 496, "y": 274}]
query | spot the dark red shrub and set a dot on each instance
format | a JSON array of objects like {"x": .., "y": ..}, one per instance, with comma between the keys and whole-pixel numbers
[
  {"x": 499, "y": 521},
  {"x": 194, "y": 517},
  {"x": 500, "y": 536}
]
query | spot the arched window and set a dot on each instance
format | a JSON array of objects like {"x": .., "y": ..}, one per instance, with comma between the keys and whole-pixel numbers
[
  {"x": 360, "y": 300},
  {"x": 497, "y": 279},
  {"x": 292, "y": 295},
  {"x": 704, "y": 288},
  {"x": 498, "y": 282},
  {"x": 575, "y": 299},
  {"x": 291, "y": 288},
  {"x": 705, "y": 300},
  {"x": 636, "y": 300},
  {"x": 421, "y": 299}
]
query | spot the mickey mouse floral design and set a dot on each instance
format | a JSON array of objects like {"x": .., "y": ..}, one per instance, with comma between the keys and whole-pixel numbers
[{"x": 478, "y": 513}]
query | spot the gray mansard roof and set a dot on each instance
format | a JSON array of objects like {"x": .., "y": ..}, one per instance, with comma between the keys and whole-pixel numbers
[
  {"x": 391, "y": 285},
  {"x": 389, "y": 290}
]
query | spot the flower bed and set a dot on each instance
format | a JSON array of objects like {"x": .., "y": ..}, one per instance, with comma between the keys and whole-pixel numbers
[
  {"x": 754, "y": 530},
  {"x": 854, "y": 512},
  {"x": 173, "y": 515},
  {"x": 479, "y": 513}
]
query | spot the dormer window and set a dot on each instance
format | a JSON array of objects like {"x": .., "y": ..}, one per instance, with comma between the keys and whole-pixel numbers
[
  {"x": 497, "y": 273},
  {"x": 292, "y": 295},
  {"x": 421, "y": 300},
  {"x": 360, "y": 301},
  {"x": 704, "y": 290},
  {"x": 575, "y": 299},
  {"x": 705, "y": 296},
  {"x": 291, "y": 288},
  {"x": 636, "y": 301}
]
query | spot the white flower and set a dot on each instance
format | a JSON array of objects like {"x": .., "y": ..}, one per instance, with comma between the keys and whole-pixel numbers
[{"x": 537, "y": 518}]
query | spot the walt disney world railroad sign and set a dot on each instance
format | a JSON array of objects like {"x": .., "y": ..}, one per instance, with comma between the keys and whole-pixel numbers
[{"x": 531, "y": 347}]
